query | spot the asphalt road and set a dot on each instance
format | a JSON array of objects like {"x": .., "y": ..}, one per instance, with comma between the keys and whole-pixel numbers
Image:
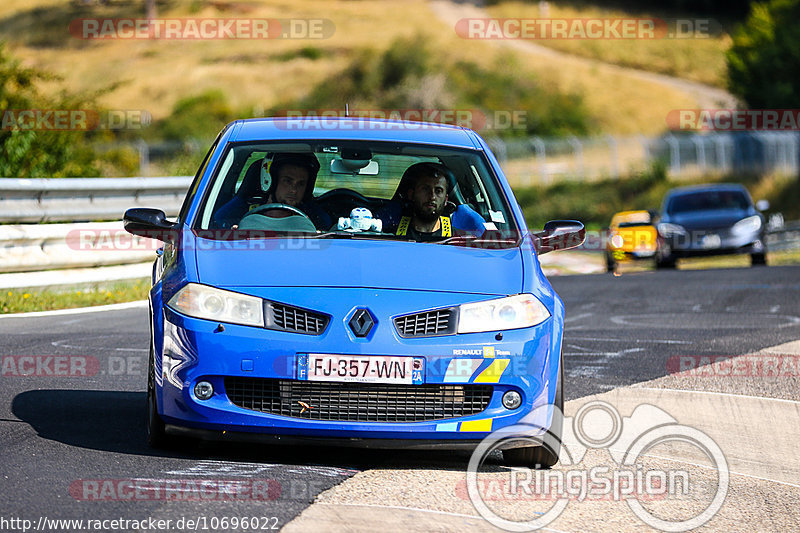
[{"x": 72, "y": 445}]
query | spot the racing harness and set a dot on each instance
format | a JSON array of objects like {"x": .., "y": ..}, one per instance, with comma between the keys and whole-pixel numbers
[{"x": 402, "y": 229}]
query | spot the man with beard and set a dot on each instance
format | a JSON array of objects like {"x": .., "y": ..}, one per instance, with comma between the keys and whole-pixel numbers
[{"x": 427, "y": 197}]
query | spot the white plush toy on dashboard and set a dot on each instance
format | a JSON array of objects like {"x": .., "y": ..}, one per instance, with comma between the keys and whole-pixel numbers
[{"x": 360, "y": 220}]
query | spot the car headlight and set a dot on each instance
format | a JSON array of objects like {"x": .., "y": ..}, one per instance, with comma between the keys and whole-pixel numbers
[
  {"x": 617, "y": 241},
  {"x": 513, "y": 312},
  {"x": 202, "y": 301},
  {"x": 667, "y": 229},
  {"x": 747, "y": 226}
]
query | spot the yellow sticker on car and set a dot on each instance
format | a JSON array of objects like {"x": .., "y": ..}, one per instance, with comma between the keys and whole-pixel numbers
[{"x": 493, "y": 372}]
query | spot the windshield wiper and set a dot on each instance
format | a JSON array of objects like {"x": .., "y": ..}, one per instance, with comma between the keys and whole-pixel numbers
[
  {"x": 332, "y": 234},
  {"x": 491, "y": 238}
]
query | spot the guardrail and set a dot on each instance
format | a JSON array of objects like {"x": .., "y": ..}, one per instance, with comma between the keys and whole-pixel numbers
[
  {"x": 786, "y": 237},
  {"x": 87, "y": 199},
  {"x": 38, "y": 247}
]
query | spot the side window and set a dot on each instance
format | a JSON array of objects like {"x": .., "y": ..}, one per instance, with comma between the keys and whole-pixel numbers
[{"x": 187, "y": 201}]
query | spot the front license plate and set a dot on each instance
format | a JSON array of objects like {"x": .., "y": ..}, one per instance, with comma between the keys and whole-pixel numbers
[
  {"x": 361, "y": 368},
  {"x": 711, "y": 241}
]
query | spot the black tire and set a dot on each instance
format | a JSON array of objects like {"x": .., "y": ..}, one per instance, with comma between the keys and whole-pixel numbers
[
  {"x": 758, "y": 259},
  {"x": 156, "y": 433},
  {"x": 665, "y": 263},
  {"x": 544, "y": 456},
  {"x": 611, "y": 265}
]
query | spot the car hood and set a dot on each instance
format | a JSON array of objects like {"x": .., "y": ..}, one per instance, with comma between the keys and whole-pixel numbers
[
  {"x": 359, "y": 264},
  {"x": 710, "y": 219}
]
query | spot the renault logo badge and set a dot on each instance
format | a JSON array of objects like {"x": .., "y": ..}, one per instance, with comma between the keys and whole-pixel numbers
[{"x": 361, "y": 322}]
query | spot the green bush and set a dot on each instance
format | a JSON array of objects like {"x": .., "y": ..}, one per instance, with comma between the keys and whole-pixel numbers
[
  {"x": 763, "y": 62},
  {"x": 593, "y": 203},
  {"x": 29, "y": 153},
  {"x": 411, "y": 75},
  {"x": 200, "y": 117}
]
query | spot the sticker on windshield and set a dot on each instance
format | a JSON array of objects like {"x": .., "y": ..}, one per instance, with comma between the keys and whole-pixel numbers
[{"x": 497, "y": 216}]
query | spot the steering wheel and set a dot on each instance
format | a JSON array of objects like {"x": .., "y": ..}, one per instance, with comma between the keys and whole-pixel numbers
[
  {"x": 285, "y": 207},
  {"x": 264, "y": 222}
]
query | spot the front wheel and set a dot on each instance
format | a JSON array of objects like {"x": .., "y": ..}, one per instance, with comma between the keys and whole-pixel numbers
[
  {"x": 546, "y": 455},
  {"x": 758, "y": 259},
  {"x": 156, "y": 433},
  {"x": 611, "y": 265}
]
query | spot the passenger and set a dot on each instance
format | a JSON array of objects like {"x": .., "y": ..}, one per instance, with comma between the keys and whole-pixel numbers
[
  {"x": 427, "y": 196},
  {"x": 292, "y": 178}
]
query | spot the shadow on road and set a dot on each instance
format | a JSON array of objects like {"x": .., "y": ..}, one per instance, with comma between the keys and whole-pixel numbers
[
  {"x": 114, "y": 421},
  {"x": 100, "y": 420}
]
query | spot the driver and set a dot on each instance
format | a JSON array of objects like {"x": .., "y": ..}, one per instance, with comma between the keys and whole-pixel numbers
[{"x": 292, "y": 177}]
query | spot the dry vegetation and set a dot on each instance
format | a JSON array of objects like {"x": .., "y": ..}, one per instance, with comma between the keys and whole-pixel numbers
[
  {"x": 255, "y": 75},
  {"x": 701, "y": 59}
]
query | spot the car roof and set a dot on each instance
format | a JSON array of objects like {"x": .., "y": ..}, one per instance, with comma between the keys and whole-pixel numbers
[
  {"x": 352, "y": 129},
  {"x": 707, "y": 188},
  {"x": 631, "y": 216}
]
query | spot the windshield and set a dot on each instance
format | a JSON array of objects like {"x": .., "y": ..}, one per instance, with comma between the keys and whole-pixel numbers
[
  {"x": 324, "y": 189},
  {"x": 707, "y": 200}
]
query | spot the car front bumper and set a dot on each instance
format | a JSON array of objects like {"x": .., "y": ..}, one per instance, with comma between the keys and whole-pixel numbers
[{"x": 195, "y": 350}]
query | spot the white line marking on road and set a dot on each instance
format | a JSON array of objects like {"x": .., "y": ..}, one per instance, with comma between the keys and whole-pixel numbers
[
  {"x": 774, "y": 308},
  {"x": 80, "y": 310},
  {"x": 60, "y": 344},
  {"x": 575, "y": 346},
  {"x": 783, "y": 400},
  {"x": 654, "y": 341},
  {"x": 211, "y": 467},
  {"x": 577, "y": 317}
]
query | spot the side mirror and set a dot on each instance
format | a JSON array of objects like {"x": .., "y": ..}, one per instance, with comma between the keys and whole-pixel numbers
[
  {"x": 560, "y": 235},
  {"x": 150, "y": 223},
  {"x": 762, "y": 205}
]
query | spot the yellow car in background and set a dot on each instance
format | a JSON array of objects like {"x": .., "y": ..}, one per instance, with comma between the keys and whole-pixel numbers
[{"x": 631, "y": 235}]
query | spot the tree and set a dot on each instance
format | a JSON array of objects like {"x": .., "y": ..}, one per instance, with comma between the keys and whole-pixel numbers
[
  {"x": 32, "y": 153},
  {"x": 764, "y": 60}
]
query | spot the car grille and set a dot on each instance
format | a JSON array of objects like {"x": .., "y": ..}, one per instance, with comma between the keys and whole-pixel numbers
[
  {"x": 427, "y": 324},
  {"x": 295, "y": 319},
  {"x": 357, "y": 402}
]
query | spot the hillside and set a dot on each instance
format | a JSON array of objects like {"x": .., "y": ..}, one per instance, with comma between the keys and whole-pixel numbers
[{"x": 255, "y": 75}]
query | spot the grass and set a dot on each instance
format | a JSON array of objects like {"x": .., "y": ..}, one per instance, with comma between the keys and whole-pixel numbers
[
  {"x": 24, "y": 301},
  {"x": 697, "y": 59},
  {"x": 594, "y": 202},
  {"x": 154, "y": 75}
]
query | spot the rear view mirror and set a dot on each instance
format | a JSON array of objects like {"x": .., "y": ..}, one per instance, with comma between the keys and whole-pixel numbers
[{"x": 560, "y": 235}]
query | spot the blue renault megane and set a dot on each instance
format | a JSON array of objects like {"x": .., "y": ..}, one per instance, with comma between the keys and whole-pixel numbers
[{"x": 355, "y": 282}]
